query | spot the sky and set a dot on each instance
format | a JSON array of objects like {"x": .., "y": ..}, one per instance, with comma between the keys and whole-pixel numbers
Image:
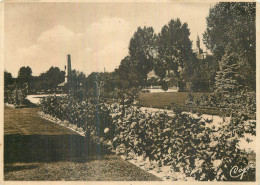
[{"x": 96, "y": 35}]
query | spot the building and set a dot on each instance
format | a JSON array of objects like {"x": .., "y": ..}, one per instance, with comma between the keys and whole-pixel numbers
[{"x": 199, "y": 52}]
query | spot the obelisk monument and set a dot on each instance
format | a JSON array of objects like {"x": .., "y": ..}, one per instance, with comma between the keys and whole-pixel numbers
[{"x": 69, "y": 74}]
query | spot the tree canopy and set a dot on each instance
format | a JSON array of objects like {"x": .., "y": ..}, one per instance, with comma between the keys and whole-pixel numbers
[
  {"x": 175, "y": 51},
  {"x": 8, "y": 79},
  {"x": 24, "y": 75},
  {"x": 52, "y": 78},
  {"x": 231, "y": 26},
  {"x": 142, "y": 49}
]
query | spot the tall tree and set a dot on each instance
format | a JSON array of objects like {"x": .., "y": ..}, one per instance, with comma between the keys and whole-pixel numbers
[
  {"x": 231, "y": 25},
  {"x": 175, "y": 51},
  {"x": 128, "y": 74},
  {"x": 142, "y": 50},
  {"x": 227, "y": 78},
  {"x": 203, "y": 78},
  {"x": 24, "y": 75},
  {"x": 78, "y": 84},
  {"x": 8, "y": 79},
  {"x": 52, "y": 78},
  {"x": 101, "y": 83}
]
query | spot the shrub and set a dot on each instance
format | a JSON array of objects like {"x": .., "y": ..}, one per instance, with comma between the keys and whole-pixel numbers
[
  {"x": 184, "y": 142},
  {"x": 244, "y": 102},
  {"x": 91, "y": 115},
  {"x": 181, "y": 141},
  {"x": 15, "y": 96}
]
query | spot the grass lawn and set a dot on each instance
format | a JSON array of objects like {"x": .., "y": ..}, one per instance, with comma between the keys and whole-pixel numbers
[
  {"x": 163, "y": 100},
  {"x": 36, "y": 149}
]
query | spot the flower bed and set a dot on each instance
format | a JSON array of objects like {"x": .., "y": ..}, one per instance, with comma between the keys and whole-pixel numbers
[{"x": 182, "y": 142}]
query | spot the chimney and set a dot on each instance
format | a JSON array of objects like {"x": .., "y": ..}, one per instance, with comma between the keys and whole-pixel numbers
[
  {"x": 68, "y": 74},
  {"x": 69, "y": 69},
  {"x": 65, "y": 68}
]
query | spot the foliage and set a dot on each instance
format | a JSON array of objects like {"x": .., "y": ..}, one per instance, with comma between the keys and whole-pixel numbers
[
  {"x": 15, "y": 91},
  {"x": 77, "y": 86},
  {"x": 101, "y": 84},
  {"x": 24, "y": 75},
  {"x": 142, "y": 51},
  {"x": 231, "y": 25},
  {"x": 8, "y": 79},
  {"x": 230, "y": 34},
  {"x": 139, "y": 62},
  {"x": 51, "y": 78},
  {"x": 127, "y": 76},
  {"x": 91, "y": 115},
  {"x": 227, "y": 78},
  {"x": 175, "y": 51},
  {"x": 46, "y": 81},
  {"x": 188, "y": 144},
  {"x": 205, "y": 70},
  {"x": 243, "y": 102},
  {"x": 183, "y": 142},
  {"x": 15, "y": 96}
]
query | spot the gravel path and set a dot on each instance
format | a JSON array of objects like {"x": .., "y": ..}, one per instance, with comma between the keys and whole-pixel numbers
[{"x": 36, "y": 149}]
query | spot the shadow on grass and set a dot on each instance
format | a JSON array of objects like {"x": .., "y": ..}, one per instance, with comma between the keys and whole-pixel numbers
[
  {"x": 50, "y": 148},
  {"x": 18, "y": 168},
  {"x": 29, "y": 104},
  {"x": 26, "y": 104}
]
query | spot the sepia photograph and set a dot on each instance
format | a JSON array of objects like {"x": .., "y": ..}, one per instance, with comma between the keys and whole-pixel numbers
[{"x": 130, "y": 91}]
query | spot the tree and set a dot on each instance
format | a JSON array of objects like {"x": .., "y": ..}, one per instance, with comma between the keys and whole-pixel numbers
[
  {"x": 128, "y": 75},
  {"x": 175, "y": 51},
  {"x": 24, "y": 75},
  {"x": 101, "y": 84},
  {"x": 233, "y": 24},
  {"x": 227, "y": 78},
  {"x": 205, "y": 70},
  {"x": 36, "y": 85},
  {"x": 8, "y": 79},
  {"x": 142, "y": 50},
  {"x": 52, "y": 78},
  {"x": 78, "y": 84}
]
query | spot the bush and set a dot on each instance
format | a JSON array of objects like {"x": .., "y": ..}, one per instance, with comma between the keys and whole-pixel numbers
[
  {"x": 91, "y": 115},
  {"x": 244, "y": 102},
  {"x": 189, "y": 145},
  {"x": 182, "y": 141},
  {"x": 15, "y": 96}
]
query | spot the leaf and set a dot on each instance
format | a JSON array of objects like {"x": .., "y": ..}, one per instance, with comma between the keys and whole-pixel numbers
[{"x": 166, "y": 130}]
